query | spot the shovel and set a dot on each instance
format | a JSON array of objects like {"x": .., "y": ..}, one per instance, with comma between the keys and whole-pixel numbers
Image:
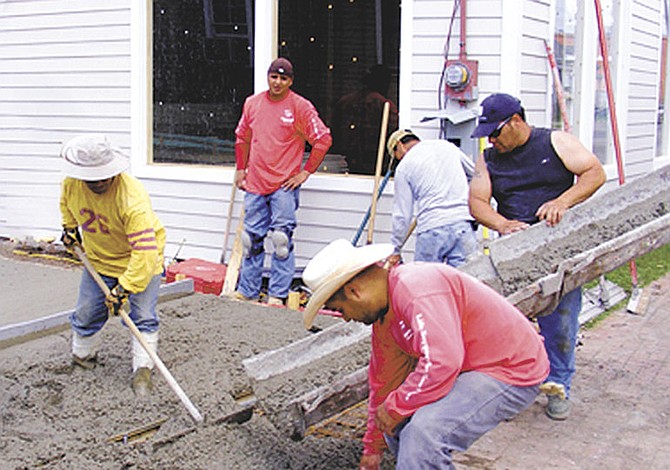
[{"x": 193, "y": 411}]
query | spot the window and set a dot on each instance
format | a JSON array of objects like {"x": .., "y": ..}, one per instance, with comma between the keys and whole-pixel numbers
[
  {"x": 602, "y": 127},
  {"x": 564, "y": 53},
  {"x": 202, "y": 72},
  {"x": 338, "y": 48}
]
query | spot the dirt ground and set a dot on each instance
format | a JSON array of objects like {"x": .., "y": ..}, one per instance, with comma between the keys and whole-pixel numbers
[{"x": 54, "y": 416}]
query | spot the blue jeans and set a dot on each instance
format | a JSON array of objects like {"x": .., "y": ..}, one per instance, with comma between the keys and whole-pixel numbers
[
  {"x": 474, "y": 406},
  {"x": 559, "y": 330},
  {"x": 275, "y": 211},
  {"x": 91, "y": 313},
  {"x": 450, "y": 244}
]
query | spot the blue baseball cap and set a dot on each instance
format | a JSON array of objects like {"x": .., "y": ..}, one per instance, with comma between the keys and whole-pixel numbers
[{"x": 495, "y": 109}]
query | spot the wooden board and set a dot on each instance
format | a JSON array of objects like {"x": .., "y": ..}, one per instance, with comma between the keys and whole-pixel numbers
[{"x": 233, "y": 270}]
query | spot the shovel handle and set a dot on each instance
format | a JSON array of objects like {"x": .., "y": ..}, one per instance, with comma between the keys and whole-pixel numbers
[
  {"x": 378, "y": 168},
  {"x": 193, "y": 411}
]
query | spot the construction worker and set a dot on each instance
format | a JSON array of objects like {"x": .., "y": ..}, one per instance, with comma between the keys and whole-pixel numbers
[
  {"x": 124, "y": 241},
  {"x": 269, "y": 149},
  {"x": 530, "y": 172},
  {"x": 430, "y": 177},
  {"x": 450, "y": 359}
]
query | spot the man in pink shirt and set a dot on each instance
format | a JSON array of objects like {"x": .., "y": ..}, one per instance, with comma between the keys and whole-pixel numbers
[
  {"x": 269, "y": 149},
  {"x": 451, "y": 358}
]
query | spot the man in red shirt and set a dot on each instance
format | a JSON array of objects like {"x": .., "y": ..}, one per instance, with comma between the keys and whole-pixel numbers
[
  {"x": 269, "y": 149},
  {"x": 451, "y": 358}
]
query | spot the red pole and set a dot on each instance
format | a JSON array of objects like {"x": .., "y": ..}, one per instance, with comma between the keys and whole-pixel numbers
[
  {"x": 610, "y": 93},
  {"x": 612, "y": 110},
  {"x": 463, "y": 55},
  {"x": 560, "y": 95}
]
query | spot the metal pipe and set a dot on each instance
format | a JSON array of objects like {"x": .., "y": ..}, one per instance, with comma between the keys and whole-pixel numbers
[{"x": 463, "y": 54}]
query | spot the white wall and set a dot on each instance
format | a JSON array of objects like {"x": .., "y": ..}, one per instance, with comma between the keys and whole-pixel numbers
[
  {"x": 64, "y": 69},
  {"x": 76, "y": 66},
  {"x": 643, "y": 84}
]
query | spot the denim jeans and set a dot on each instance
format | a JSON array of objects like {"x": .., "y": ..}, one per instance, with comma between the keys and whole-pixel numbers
[
  {"x": 474, "y": 406},
  {"x": 450, "y": 244},
  {"x": 275, "y": 211},
  {"x": 559, "y": 330},
  {"x": 91, "y": 313}
]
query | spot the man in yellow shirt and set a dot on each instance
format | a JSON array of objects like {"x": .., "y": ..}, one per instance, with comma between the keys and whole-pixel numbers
[{"x": 123, "y": 239}]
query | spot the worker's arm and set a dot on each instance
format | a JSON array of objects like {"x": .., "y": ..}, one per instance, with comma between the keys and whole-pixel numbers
[
  {"x": 242, "y": 148},
  {"x": 586, "y": 167},
  {"x": 146, "y": 246},
  {"x": 479, "y": 201},
  {"x": 318, "y": 136},
  {"x": 403, "y": 210}
]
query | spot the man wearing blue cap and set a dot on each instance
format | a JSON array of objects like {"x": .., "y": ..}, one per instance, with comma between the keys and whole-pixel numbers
[{"x": 531, "y": 174}]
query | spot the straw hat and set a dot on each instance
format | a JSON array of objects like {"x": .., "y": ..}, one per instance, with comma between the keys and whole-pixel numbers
[
  {"x": 396, "y": 137},
  {"x": 91, "y": 157},
  {"x": 334, "y": 266}
]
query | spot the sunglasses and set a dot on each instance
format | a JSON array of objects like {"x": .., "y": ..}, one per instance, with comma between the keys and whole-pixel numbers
[{"x": 496, "y": 132}]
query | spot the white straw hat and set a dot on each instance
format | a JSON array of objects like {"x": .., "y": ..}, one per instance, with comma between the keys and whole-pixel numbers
[
  {"x": 91, "y": 157},
  {"x": 334, "y": 266}
]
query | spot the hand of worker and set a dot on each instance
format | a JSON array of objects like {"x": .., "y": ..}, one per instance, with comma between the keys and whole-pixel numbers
[
  {"x": 370, "y": 462},
  {"x": 116, "y": 298},
  {"x": 384, "y": 421},
  {"x": 511, "y": 226},
  {"x": 71, "y": 237},
  {"x": 393, "y": 260},
  {"x": 296, "y": 180},
  {"x": 552, "y": 212},
  {"x": 241, "y": 179}
]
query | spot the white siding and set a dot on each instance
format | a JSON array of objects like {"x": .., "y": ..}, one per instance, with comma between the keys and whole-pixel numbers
[
  {"x": 64, "y": 69},
  {"x": 643, "y": 85},
  {"x": 535, "y": 77}
]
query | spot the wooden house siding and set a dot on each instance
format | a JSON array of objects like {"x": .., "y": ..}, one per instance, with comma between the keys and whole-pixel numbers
[
  {"x": 643, "y": 85},
  {"x": 65, "y": 69}
]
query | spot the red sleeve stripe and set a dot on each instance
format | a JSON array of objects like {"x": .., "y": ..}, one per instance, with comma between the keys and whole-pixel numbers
[
  {"x": 145, "y": 248},
  {"x": 137, "y": 234}
]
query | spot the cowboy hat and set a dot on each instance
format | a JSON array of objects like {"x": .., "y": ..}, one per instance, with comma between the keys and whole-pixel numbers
[
  {"x": 334, "y": 266},
  {"x": 91, "y": 157}
]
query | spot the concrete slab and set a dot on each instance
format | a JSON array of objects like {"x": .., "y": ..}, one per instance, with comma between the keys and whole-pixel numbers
[{"x": 32, "y": 289}]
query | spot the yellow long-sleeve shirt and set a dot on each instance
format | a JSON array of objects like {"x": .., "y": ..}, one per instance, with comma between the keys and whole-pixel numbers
[{"x": 122, "y": 235}]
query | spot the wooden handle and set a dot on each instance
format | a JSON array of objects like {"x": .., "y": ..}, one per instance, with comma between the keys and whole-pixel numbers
[
  {"x": 378, "y": 169},
  {"x": 235, "y": 261},
  {"x": 228, "y": 222},
  {"x": 193, "y": 411}
]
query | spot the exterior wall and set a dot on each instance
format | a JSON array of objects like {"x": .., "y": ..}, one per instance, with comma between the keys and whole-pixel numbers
[
  {"x": 79, "y": 66},
  {"x": 64, "y": 69},
  {"x": 534, "y": 73},
  {"x": 643, "y": 84}
]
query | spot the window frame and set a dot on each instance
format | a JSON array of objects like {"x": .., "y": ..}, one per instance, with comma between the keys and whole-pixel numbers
[{"x": 266, "y": 25}]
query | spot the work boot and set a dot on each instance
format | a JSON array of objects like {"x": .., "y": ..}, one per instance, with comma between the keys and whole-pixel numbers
[
  {"x": 553, "y": 388},
  {"x": 87, "y": 362},
  {"x": 239, "y": 296},
  {"x": 142, "y": 384},
  {"x": 275, "y": 301},
  {"x": 558, "y": 407}
]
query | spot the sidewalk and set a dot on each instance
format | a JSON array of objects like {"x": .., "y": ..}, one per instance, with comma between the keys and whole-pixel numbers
[
  {"x": 621, "y": 403},
  {"x": 33, "y": 289}
]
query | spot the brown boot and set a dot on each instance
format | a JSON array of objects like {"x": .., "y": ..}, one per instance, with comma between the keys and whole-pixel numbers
[
  {"x": 87, "y": 362},
  {"x": 142, "y": 384}
]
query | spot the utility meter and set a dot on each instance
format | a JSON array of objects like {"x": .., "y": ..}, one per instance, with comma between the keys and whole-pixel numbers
[
  {"x": 461, "y": 80},
  {"x": 457, "y": 76}
]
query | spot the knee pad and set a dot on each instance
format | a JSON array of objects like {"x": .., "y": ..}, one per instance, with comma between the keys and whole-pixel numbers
[
  {"x": 282, "y": 243},
  {"x": 251, "y": 244}
]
